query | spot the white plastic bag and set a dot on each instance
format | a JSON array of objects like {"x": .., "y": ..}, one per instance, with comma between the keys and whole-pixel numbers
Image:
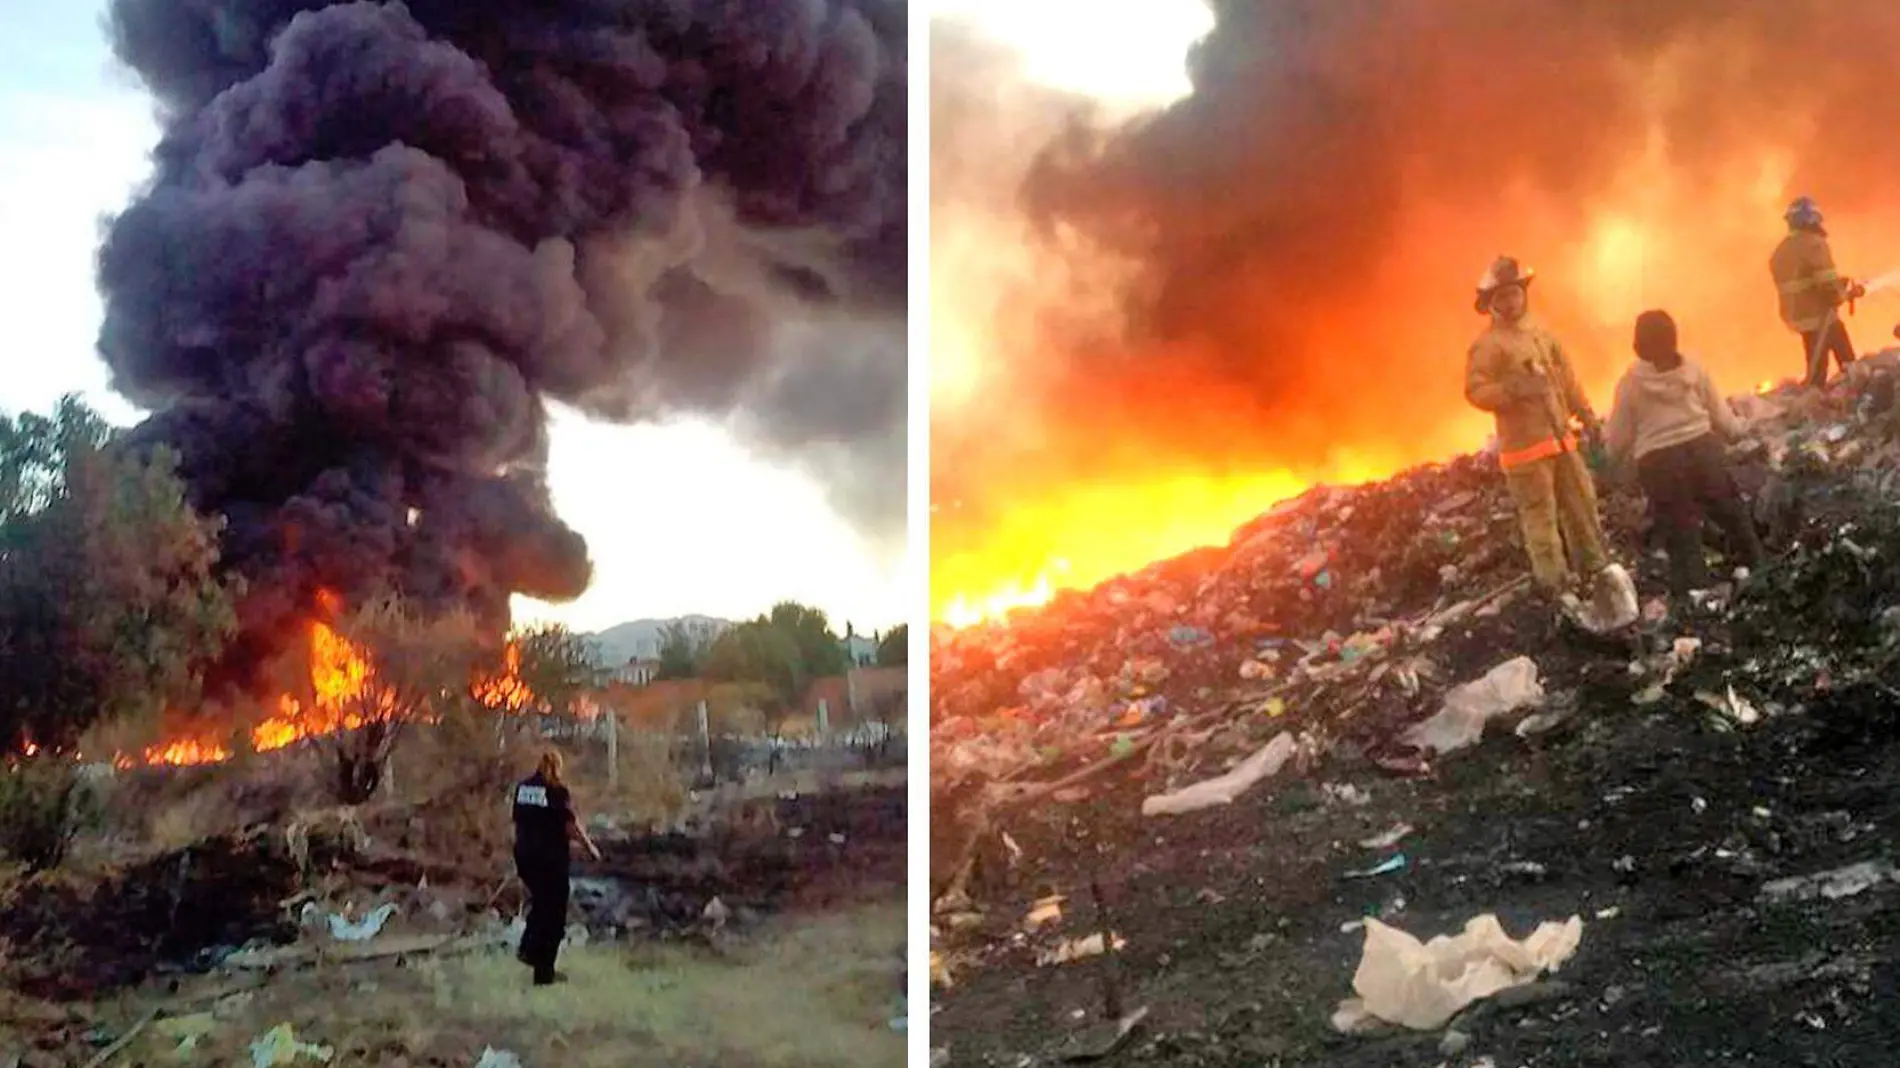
[
  {"x": 1613, "y": 603},
  {"x": 1461, "y": 720},
  {"x": 364, "y": 929},
  {"x": 1264, "y": 763},
  {"x": 1422, "y": 986}
]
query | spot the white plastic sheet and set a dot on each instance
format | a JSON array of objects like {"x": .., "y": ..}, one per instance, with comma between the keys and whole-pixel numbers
[
  {"x": 1467, "y": 709},
  {"x": 364, "y": 929},
  {"x": 1613, "y": 602},
  {"x": 1264, "y": 763},
  {"x": 1423, "y": 985}
]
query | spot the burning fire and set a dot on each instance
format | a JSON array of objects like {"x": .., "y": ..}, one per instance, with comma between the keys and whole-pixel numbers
[
  {"x": 1080, "y": 454},
  {"x": 340, "y": 672},
  {"x": 505, "y": 690}
]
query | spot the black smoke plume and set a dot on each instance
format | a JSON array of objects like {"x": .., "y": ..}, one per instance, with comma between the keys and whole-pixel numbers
[{"x": 380, "y": 238}]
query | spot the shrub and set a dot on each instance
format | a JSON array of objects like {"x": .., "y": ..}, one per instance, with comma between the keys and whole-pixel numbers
[{"x": 43, "y": 805}]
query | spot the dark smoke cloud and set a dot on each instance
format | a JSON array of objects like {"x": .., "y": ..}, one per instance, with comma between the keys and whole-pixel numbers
[
  {"x": 1260, "y": 211},
  {"x": 378, "y": 239}
]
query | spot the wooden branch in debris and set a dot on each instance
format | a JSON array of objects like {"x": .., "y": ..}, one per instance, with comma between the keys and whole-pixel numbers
[
  {"x": 1463, "y": 609},
  {"x": 1111, "y": 963},
  {"x": 124, "y": 1040},
  {"x": 216, "y": 993},
  {"x": 380, "y": 949}
]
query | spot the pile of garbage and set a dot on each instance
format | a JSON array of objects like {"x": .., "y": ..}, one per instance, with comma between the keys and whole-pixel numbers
[{"x": 1342, "y": 621}]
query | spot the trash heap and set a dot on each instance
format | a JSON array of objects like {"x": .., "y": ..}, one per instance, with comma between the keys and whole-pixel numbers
[{"x": 1345, "y": 617}]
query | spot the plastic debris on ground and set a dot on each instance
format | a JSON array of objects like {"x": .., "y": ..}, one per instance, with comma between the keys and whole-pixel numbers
[
  {"x": 344, "y": 929},
  {"x": 1385, "y": 867},
  {"x": 1045, "y": 910},
  {"x": 1832, "y": 885},
  {"x": 279, "y": 1046},
  {"x": 1078, "y": 949},
  {"x": 1613, "y": 604},
  {"x": 1460, "y": 722},
  {"x": 1102, "y": 1039},
  {"x": 1264, "y": 763},
  {"x": 1388, "y": 838},
  {"x": 498, "y": 1058},
  {"x": 1346, "y": 793},
  {"x": 187, "y": 1031},
  {"x": 1421, "y": 986}
]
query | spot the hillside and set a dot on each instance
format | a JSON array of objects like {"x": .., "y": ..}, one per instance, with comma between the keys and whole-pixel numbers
[{"x": 641, "y": 638}]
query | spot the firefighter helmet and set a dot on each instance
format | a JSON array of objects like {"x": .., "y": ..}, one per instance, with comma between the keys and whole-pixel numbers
[
  {"x": 1804, "y": 213},
  {"x": 1504, "y": 271}
]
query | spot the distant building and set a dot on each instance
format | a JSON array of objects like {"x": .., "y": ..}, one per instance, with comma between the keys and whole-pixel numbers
[
  {"x": 637, "y": 671},
  {"x": 859, "y": 650}
]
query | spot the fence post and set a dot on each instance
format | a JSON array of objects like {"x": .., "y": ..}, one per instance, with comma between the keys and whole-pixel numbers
[
  {"x": 613, "y": 746},
  {"x": 705, "y": 742},
  {"x": 824, "y": 720}
]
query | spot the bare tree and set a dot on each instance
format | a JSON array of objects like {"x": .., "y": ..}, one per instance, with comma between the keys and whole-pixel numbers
[{"x": 401, "y": 667}]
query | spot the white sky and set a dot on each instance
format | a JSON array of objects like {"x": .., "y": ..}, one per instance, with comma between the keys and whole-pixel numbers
[
  {"x": 679, "y": 519},
  {"x": 1128, "y": 53}
]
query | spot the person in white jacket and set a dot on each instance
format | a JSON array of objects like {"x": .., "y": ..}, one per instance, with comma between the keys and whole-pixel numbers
[{"x": 1672, "y": 421}]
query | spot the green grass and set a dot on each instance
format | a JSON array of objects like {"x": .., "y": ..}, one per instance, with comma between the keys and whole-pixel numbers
[{"x": 819, "y": 994}]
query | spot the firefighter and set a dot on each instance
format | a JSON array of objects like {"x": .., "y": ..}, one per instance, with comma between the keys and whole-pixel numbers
[
  {"x": 1519, "y": 373},
  {"x": 545, "y": 823},
  {"x": 1811, "y": 291},
  {"x": 1671, "y": 420}
]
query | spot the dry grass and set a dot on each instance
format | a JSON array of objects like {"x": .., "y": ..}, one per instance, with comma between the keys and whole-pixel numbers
[
  {"x": 648, "y": 787},
  {"x": 817, "y": 994},
  {"x": 194, "y": 817}
]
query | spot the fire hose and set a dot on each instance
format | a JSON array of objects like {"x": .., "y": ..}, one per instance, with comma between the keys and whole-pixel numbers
[{"x": 1817, "y": 360}]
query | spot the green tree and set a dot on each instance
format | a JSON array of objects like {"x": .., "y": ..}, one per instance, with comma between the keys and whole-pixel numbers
[
  {"x": 36, "y": 451},
  {"x": 893, "y": 650},
  {"x": 683, "y": 650},
  {"x": 759, "y": 652},
  {"x": 555, "y": 665},
  {"x": 110, "y": 606},
  {"x": 819, "y": 649}
]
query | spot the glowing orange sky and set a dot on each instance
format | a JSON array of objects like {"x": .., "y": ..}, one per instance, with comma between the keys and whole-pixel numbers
[{"x": 1061, "y": 480}]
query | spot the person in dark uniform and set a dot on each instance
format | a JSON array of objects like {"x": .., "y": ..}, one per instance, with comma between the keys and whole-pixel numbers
[{"x": 545, "y": 823}]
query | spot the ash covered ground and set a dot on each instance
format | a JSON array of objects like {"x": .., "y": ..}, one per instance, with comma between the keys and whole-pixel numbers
[{"x": 1675, "y": 796}]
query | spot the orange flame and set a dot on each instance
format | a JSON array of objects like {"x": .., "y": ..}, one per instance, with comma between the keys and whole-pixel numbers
[
  {"x": 340, "y": 672},
  {"x": 504, "y": 691},
  {"x": 1083, "y": 418},
  {"x": 1148, "y": 490}
]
